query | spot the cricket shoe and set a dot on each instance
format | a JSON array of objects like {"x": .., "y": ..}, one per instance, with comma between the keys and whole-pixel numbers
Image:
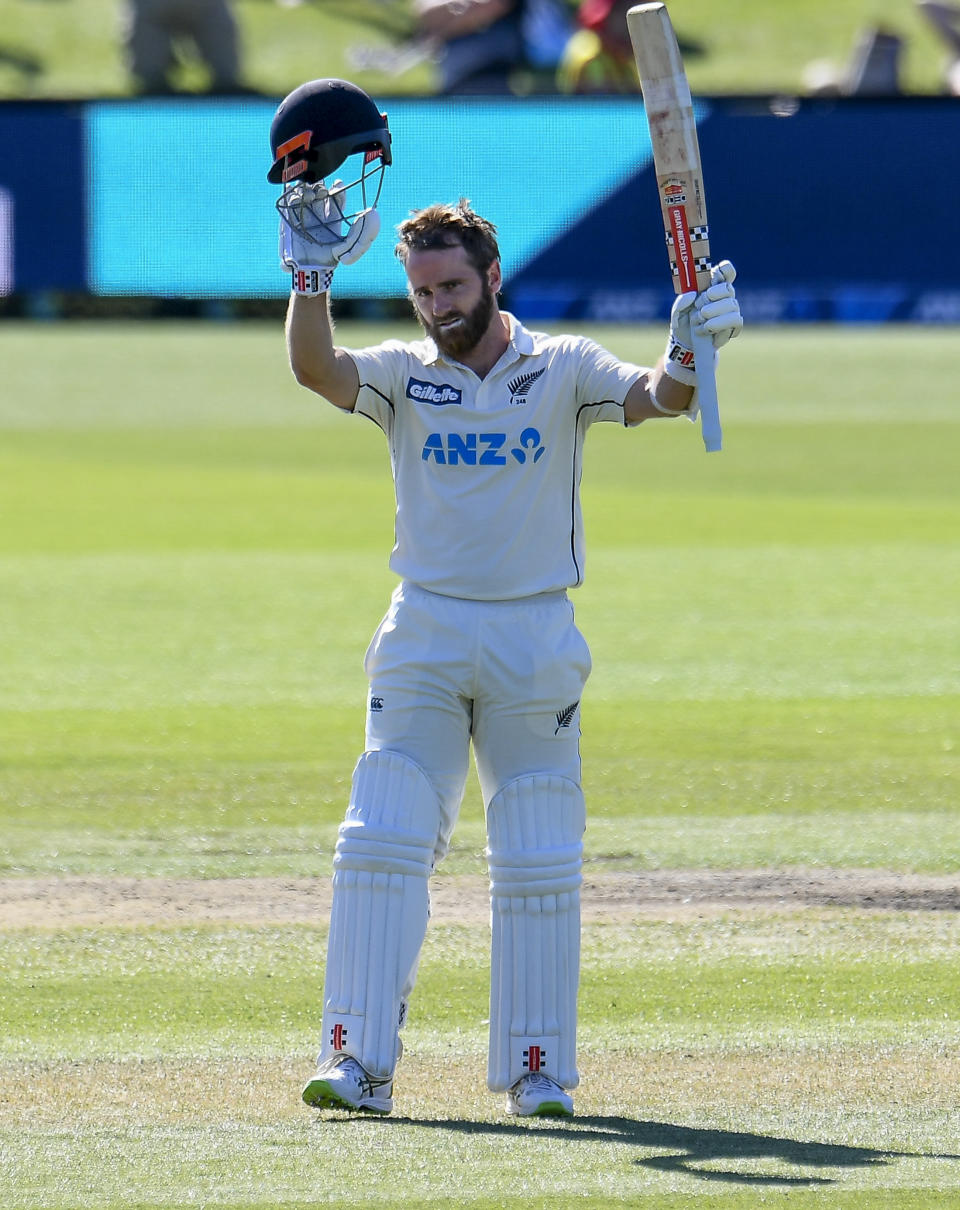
[
  {"x": 341, "y": 1082},
  {"x": 537, "y": 1096}
]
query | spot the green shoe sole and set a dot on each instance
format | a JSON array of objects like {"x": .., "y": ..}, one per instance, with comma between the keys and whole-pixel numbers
[
  {"x": 319, "y": 1095},
  {"x": 551, "y": 1109}
]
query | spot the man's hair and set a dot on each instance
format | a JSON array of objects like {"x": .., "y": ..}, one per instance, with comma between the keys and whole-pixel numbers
[{"x": 444, "y": 226}]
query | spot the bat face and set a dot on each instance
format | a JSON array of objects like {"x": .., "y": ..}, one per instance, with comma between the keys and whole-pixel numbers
[
  {"x": 676, "y": 151},
  {"x": 676, "y": 158}
]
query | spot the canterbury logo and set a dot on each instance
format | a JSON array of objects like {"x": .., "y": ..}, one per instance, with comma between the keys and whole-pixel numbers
[
  {"x": 520, "y": 386},
  {"x": 565, "y": 717}
]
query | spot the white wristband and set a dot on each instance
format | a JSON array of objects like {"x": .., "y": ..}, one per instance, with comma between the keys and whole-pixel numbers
[
  {"x": 665, "y": 411},
  {"x": 311, "y": 282}
]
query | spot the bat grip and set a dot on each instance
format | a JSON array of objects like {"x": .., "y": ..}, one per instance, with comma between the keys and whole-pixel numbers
[{"x": 707, "y": 393}]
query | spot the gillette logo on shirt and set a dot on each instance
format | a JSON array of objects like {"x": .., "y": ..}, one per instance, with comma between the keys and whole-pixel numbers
[{"x": 439, "y": 394}]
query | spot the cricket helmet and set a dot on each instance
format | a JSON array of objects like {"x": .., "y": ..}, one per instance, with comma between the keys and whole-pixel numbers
[{"x": 321, "y": 123}]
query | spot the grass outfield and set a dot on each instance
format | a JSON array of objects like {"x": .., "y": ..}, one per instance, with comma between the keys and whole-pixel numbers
[{"x": 192, "y": 559}]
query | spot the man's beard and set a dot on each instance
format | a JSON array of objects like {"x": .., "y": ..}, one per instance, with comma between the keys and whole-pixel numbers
[{"x": 465, "y": 337}]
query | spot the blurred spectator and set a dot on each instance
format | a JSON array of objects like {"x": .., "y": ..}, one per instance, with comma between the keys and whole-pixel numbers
[
  {"x": 478, "y": 45},
  {"x": 599, "y": 58},
  {"x": 945, "y": 19},
  {"x": 547, "y": 26},
  {"x": 873, "y": 69},
  {"x": 155, "y": 32}
]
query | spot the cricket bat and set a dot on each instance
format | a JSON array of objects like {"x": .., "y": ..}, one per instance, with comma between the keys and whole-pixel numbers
[{"x": 676, "y": 162}]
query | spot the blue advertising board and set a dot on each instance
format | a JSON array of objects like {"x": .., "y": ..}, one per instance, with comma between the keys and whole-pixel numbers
[
  {"x": 831, "y": 209},
  {"x": 43, "y": 206},
  {"x": 195, "y": 177}
]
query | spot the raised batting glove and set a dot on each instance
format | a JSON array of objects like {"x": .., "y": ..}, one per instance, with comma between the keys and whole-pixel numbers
[
  {"x": 713, "y": 312},
  {"x": 716, "y": 312},
  {"x": 678, "y": 360},
  {"x": 316, "y": 235}
]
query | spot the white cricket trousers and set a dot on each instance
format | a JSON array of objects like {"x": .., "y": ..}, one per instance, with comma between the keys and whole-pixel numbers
[{"x": 508, "y": 675}]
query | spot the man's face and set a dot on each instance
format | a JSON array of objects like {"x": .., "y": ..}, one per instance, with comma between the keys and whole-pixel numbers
[{"x": 453, "y": 301}]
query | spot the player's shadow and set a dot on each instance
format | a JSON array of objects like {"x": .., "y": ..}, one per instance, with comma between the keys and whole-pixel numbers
[{"x": 686, "y": 1149}]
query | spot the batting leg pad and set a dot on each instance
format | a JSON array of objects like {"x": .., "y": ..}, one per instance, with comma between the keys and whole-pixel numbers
[
  {"x": 378, "y": 920},
  {"x": 535, "y": 830}
]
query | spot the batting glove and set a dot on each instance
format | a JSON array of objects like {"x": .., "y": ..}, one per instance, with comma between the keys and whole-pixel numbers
[
  {"x": 713, "y": 312},
  {"x": 716, "y": 312},
  {"x": 316, "y": 235},
  {"x": 678, "y": 360}
]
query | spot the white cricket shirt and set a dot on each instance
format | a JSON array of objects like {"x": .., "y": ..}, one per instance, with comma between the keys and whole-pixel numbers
[{"x": 487, "y": 473}]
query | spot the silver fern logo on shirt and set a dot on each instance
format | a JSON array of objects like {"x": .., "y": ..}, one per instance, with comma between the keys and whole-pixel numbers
[{"x": 520, "y": 387}]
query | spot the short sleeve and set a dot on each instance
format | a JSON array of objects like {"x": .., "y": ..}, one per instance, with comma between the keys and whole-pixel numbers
[
  {"x": 603, "y": 381},
  {"x": 382, "y": 372}
]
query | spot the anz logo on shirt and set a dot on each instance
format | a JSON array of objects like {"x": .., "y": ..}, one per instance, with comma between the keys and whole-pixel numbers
[{"x": 483, "y": 449}]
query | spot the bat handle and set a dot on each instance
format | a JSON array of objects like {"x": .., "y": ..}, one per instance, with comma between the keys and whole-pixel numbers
[{"x": 707, "y": 392}]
